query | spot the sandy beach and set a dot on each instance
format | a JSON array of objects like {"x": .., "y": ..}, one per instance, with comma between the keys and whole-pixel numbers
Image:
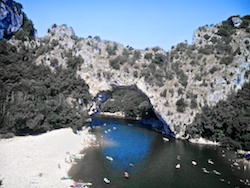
[{"x": 41, "y": 161}]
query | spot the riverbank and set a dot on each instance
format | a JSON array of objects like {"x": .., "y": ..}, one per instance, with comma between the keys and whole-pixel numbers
[
  {"x": 43, "y": 160},
  {"x": 119, "y": 115},
  {"x": 203, "y": 141}
]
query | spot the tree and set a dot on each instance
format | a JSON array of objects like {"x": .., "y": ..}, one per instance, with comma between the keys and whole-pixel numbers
[
  {"x": 27, "y": 29},
  {"x": 181, "y": 105}
]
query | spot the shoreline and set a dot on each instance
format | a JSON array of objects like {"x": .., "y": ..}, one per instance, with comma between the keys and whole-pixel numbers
[
  {"x": 203, "y": 141},
  {"x": 43, "y": 160},
  {"x": 118, "y": 115}
]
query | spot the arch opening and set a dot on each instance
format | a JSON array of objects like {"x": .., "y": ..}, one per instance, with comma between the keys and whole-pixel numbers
[{"x": 129, "y": 102}]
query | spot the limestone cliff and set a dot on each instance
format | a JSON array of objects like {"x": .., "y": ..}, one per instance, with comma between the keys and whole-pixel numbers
[
  {"x": 11, "y": 17},
  {"x": 178, "y": 83}
]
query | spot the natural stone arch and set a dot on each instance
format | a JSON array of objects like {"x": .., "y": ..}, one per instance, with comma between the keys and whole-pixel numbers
[
  {"x": 96, "y": 102},
  {"x": 166, "y": 78}
]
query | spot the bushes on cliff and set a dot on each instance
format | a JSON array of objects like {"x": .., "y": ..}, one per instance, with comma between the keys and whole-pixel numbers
[
  {"x": 74, "y": 62},
  {"x": 227, "y": 122},
  {"x": 111, "y": 49},
  {"x": 159, "y": 59},
  {"x": 226, "y": 60},
  {"x": 27, "y": 29},
  {"x": 181, "y": 105},
  {"x": 245, "y": 23},
  {"x": 119, "y": 60},
  {"x": 227, "y": 28},
  {"x": 148, "y": 56}
]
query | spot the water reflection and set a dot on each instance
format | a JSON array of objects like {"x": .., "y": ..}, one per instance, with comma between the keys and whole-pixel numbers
[
  {"x": 155, "y": 160},
  {"x": 126, "y": 148}
]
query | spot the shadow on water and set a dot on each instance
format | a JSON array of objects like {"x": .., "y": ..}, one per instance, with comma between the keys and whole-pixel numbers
[{"x": 151, "y": 162}]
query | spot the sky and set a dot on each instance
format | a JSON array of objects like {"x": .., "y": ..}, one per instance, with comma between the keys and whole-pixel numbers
[{"x": 137, "y": 23}]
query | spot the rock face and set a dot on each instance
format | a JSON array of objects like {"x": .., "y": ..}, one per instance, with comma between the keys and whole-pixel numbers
[
  {"x": 177, "y": 83},
  {"x": 11, "y": 17}
]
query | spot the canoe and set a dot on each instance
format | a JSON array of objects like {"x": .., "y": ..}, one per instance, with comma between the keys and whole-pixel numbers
[
  {"x": 210, "y": 161},
  {"x": 126, "y": 175},
  {"x": 178, "y": 166},
  {"x": 194, "y": 163},
  {"x": 109, "y": 158},
  {"x": 165, "y": 139},
  {"x": 106, "y": 180}
]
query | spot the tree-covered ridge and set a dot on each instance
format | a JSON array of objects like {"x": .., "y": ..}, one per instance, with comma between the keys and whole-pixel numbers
[
  {"x": 33, "y": 99},
  {"x": 228, "y": 122}
]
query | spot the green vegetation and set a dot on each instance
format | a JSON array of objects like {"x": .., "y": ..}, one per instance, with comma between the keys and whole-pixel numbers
[
  {"x": 148, "y": 56},
  {"x": 33, "y": 99},
  {"x": 226, "y": 29},
  {"x": 137, "y": 55},
  {"x": 119, "y": 60},
  {"x": 27, "y": 30},
  {"x": 245, "y": 23},
  {"x": 181, "y": 105},
  {"x": 74, "y": 62},
  {"x": 128, "y": 101},
  {"x": 159, "y": 59},
  {"x": 227, "y": 122},
  {"x": 226, "y": 60},
  {"x": 111, "y": 49}
]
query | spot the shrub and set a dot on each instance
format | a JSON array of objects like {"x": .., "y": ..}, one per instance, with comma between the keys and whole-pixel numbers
[
  {"x": 156, "y": 49},
  {"x": 182, "y": 46},
  {"x": 152, "y": 67},
  {"x": 97, "y": 38},
  {"x": 206, "y": 36},
  {"x": 226, "y": 60},
  {"x": 181, "y": 105},
  {"x": 27, "y": 29},
  {"x": 223, "y": 49},
  {"x": 169, "y": 75},
  {"x": 74, "y": 62},
  {"x": 119, "y": 60},
  {"x": 208, "y": 49},
  {"x": 245, "y": 22},
  {"x": 54, "y": 43},
  {"x": 226, "y": 28},
  {"x": 135, "y": 73},
  {"x": 148, "y": 56},
  {"x": 111, "y": 49},
  {"x": 159, "y": 78},
  {"x": 125, "y": 52},
  {"x": 193, "y": 103},
  {"x": 213, "y": 70},
  {"x": 137, "y": 55},
  {"x": 183, "y": 78},
  {"x": 54, "y": 62},
  {"x": 214, "y": 40},
  {"x": 180, "y": 91},
  {"x": 159, "y": 59},
  {"x": 114, "y": 64},
  {"x": 164, "y": 93}
]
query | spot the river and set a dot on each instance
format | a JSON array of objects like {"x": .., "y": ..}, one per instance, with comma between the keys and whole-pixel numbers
[{"x": 151, "y": 161}]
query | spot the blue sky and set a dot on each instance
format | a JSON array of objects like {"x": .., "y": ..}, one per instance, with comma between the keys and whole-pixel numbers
[{"x": 137, "y": 23}]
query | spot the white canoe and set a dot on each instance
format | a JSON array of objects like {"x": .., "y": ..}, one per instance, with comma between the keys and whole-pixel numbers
[
  {"x": 106, "y": 180},
  {"x": 109, "y": 158}
]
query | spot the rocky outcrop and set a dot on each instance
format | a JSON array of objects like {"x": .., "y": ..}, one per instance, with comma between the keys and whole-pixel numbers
[
  {"x": 177, "y": 83},
  {"x": 11, "y": 17}
]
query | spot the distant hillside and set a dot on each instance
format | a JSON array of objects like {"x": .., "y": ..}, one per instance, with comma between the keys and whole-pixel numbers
[{"x": 180, "y": 84}]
